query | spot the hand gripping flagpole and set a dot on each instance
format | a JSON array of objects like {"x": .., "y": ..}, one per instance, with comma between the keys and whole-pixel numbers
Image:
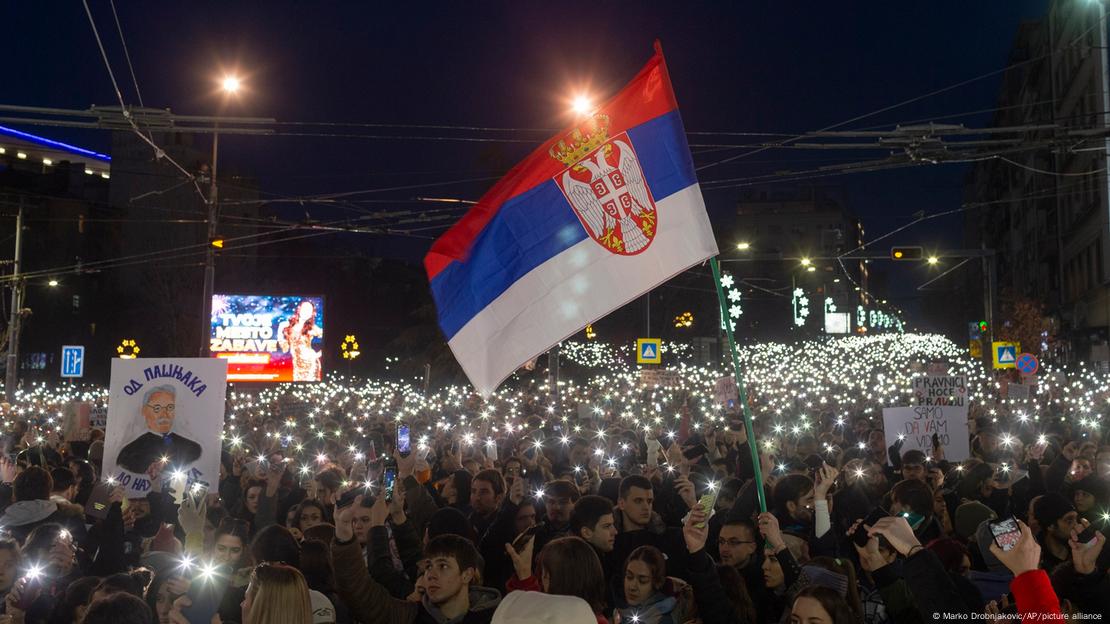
[{"x": 740, "y": 385}]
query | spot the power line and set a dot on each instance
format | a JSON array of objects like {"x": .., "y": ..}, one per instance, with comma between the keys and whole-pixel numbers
[
  {"x": 911, "y": 100},
  {"x": 126, "y": 54},
  {"x": 158, "y": 151}
]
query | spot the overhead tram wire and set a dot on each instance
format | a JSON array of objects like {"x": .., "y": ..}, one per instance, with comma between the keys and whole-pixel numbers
[
  {"x": 199, "y": 248},
  {"x": 127, "y": 55},
  {"x": 158, "y": 151},
  {"x": 911, "y": 100}
]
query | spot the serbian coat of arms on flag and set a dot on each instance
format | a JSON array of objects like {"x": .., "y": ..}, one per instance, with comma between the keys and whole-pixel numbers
[
  {"x": 607, "y": 190},
  {"x": 595, "y": 217}
]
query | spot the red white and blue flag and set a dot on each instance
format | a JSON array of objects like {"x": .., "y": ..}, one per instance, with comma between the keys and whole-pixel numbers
[{"x": 595, "y": 217}]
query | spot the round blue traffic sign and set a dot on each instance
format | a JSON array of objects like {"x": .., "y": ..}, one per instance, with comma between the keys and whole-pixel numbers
[{"x": 1027, "y": 363}]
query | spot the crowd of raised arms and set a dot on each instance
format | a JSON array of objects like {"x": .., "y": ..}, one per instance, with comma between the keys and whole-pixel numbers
[{"x": 575, "y": 516}]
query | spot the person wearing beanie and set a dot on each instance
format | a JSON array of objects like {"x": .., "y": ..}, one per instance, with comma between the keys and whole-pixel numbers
[
  {"x": 1086, "y": 494},
  {"x": 449, "y": 520},
  {"x": 995, "y": 582},
  {"x": 968, "y": 518},
  {"x": 164, "y": 541},
  {"x": 1056, "y": 517}
]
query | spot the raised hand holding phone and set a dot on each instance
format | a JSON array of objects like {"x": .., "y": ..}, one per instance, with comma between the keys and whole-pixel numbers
[
  {"x": 1085, "y": 549},
  {"x": 1023, "y": 556}
]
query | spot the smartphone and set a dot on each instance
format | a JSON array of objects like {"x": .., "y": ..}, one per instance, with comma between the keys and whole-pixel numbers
[
  {"x": 1086, "y": 536},
  {"x": 707, "y": 502},
  {"x": 522, "y": 540},
  {"x": 1006, "y": 533},
  {"x": 98, "y": 505},
  {"x": 695, "y": 451},
  {"x": 348, "y": 498},
  {"x": 389, "y": 479},
  {"x": 860, "y": 537},
  {"x": 31, "y": 591},
  {"x": 206, "y": 591},
  {"x": 404, "y": 446}
]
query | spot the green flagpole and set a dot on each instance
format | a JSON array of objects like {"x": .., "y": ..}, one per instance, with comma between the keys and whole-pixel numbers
[{"x": 739, "y": 384}]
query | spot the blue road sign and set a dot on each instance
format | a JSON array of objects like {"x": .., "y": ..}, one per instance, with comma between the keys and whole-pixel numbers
[
  {"x": 649, "y": 351},
  {"x": 1027, "y": 363},
  {"x": 73, "y": 361}
]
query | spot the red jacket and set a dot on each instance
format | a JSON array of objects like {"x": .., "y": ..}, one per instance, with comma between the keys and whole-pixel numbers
[{"x": 1034, "y": 596}]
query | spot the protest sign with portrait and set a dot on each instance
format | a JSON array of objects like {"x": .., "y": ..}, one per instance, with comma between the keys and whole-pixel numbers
[{"x": 164, "y": 417}]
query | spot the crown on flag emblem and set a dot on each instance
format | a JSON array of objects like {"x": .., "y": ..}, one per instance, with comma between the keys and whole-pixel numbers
[
  {"x": 605, "y": 185},
  {"x": 583, "y": 140}
]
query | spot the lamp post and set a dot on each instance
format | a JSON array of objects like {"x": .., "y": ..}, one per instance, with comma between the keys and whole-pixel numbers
[{"x": 229, "y": 86}]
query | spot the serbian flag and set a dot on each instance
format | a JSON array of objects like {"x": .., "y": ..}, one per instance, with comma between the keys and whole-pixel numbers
[{"x": 595, "y": 217}]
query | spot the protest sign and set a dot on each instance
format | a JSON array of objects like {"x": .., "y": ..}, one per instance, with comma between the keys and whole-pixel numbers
[
  {"x": 940, "y": 390},
  {"x": 662, "y": 377},
  {"x": 164, "y": 417},
  {"x": 75, "y": 420},
  {"x": 725, "y": 392},
  {"x": 915, "y": 426},
  {"x": 1018, "y": 392},
  {"x": 98, "y": 417}
]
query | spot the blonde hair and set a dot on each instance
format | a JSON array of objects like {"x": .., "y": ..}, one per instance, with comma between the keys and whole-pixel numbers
[{"x": 279, "y": 595}]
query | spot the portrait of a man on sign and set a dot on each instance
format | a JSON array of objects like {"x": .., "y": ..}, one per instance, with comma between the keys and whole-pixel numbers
[
  {"x": 159, "y": 443},
  {"x": 165, "y": 418}
]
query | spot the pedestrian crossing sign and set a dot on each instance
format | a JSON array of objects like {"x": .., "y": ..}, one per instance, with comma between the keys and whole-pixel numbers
[
  {"x": 648, "y": 351},
  {"x": 1005, "y": 354}
]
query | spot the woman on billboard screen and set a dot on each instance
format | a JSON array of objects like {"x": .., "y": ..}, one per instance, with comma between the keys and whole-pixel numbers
[{"x": 296, "y": 338}]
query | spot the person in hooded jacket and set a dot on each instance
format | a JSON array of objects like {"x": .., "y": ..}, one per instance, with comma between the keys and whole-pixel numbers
[
  {"x": 451, "y": 581},
  {"x": 33, "y": 507}
]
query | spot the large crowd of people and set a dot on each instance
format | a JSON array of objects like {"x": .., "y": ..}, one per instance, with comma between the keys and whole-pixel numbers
[{"x": 608, "y": 496}]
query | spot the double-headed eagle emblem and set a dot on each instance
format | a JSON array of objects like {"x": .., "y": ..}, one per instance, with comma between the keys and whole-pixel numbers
[{"x": 605, "y": 185}]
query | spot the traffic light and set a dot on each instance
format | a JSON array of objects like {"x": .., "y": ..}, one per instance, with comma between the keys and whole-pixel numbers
[
  {"x": 982, "y": 327},
  {"x": 218, "y": 243},
  {"x": 906, "y": 253}
]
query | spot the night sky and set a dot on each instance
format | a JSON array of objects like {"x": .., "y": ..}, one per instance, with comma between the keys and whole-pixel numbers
[{"x": 768, "y": 67}]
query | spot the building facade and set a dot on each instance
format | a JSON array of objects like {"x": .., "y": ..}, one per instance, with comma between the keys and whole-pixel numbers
[
  {"x": 786, "y": 240},
  {"x": 1044, "y": 206}
]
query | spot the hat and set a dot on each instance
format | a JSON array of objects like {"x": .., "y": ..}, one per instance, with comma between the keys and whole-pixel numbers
[
  {"x": 969, "y": 516},
  {"x": 951, "y": 552},
  {"x": 1050, "y": 508},
  {"x": 913, "y": 457},
  {"x": 323, "y": 611},
  {"x": 1092, "y": 485},
  {"x": 164, "y": 541},
  {"x": 526, "y": 607},
  {"x": 450, "y": 520},
  {"x": 984, "y": 538},
  {"x": 160, "y": 561},
  {"x": 823, "y": 577}
]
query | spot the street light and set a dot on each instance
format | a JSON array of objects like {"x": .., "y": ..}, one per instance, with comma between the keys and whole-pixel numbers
[
  {"x": 52, "y": 282},
  {"x": 933, "y": 260},
  {"x": 581, "y": 105},
  {"x": 806, "y": 262},
  {"x": 744, "y": 246},
  {"x": 230, "y": 85}
]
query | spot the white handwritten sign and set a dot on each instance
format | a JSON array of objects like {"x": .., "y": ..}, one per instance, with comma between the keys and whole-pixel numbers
[
  {"x": 915, "y": 426},
  {"x": 164, "y": 420},
  {"x": 725, "y": 391},
  {"x": 940, "y": 390}
]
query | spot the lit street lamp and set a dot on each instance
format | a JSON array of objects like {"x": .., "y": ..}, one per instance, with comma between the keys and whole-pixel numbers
[
  {"x": 230, "y": 85},
  {"x": 581, "y": 105}
]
